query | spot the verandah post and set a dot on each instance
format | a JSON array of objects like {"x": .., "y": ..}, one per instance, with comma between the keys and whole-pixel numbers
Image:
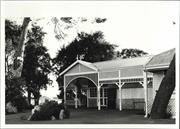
[
  {"x": 120, "y": 92},
  {"x": 64, "y": 90},
  {"x": 145, "y": 92},
  {"x": 98, "y": 97},
  {"x": 98, "y": 94},
  {"x": 120, "y": 98},
  {"x": 76, "y": 104}
]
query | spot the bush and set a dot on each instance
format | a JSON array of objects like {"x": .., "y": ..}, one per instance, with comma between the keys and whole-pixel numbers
[
  {"x": 168, "y": 115},
  {"x": 21, "y": 103},
  {"x": 30, "y": 107},
  {"x": 14, "y": 93},
  {"x": 48, "y": 110}
]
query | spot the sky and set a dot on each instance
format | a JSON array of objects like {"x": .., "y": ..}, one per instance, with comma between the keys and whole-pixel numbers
[{"x": 151, "y": 26}]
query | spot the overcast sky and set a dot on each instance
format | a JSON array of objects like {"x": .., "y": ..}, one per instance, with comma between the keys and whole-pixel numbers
[{"x": 151, "y": 26}]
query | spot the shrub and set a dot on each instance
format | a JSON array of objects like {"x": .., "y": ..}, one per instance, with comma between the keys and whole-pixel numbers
[
  {"x": 168, "y": 115},
  {"x": 21, "y": 103},
  {"x": 48, "y": 110},
  {"x": 14, "y": 93}
]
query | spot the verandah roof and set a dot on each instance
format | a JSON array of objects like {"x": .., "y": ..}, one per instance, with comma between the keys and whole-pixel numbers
[{"x": 120, "y": 63}]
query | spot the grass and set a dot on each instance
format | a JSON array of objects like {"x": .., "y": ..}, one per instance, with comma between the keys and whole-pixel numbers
[{"x": 92, "y": 116}]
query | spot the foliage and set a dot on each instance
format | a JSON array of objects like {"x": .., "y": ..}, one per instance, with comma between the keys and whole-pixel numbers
[
  {"x": 129, "y": 53},
  {"x": 47, "y": 110},
  {"x": 64, "y": 23},
  {"x": 12, "y": 32},
  {"x": 88, "y": 47},
  {"x": 12, "y": 37},
  {"x": 37, "y": 61},
  {"x": 14, "y": 86},
  {"x": 14, "y": 93}
]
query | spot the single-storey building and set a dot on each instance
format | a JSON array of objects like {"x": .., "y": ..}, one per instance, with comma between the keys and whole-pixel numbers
[
  {"x": 119, "y": 83},
  {"x": 158, "y": 66}
]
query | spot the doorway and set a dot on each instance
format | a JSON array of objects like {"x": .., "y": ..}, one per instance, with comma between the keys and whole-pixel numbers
[{"x": 112, "y": 92}]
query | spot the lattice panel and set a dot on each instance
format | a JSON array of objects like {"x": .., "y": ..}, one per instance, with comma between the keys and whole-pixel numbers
[
  {"x": 171, "y": 107},
  {"x": 149, "y": 106}
]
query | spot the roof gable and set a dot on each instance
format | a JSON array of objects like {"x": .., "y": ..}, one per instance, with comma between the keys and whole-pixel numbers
[{"x": 79, "y": 66}]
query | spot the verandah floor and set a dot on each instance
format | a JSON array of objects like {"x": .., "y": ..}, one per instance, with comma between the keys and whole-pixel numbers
[{"x": 93, "y": 116}]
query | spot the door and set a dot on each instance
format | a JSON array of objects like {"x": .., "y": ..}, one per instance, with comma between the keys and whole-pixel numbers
[{"x": 112, "y": 98}]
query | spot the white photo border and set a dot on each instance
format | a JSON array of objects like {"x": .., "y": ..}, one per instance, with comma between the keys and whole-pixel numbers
[{"x": 32, "y": 9}]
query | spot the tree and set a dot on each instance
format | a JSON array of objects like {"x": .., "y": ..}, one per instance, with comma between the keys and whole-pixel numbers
[
  {"x": 88, "y": 47},
  {"x": 12, "y": 36},
  {"x": 64, "y": 23},
  {"x": 164, "y": 93},
  {"x": 19, "y": 50},
  {"x": 36, "y": 65},
  {"x": 14, "y": 39},
  {"x": 129, "y": 53}
]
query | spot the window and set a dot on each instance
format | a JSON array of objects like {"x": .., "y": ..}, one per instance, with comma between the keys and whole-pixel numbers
[{"x": 105, "y": 92}]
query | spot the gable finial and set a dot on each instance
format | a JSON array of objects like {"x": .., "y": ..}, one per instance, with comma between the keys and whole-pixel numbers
[{"x": 77, "y": 57}]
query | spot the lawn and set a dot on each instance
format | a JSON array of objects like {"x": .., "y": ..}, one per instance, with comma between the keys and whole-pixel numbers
[{"x": 92, "y": 116}]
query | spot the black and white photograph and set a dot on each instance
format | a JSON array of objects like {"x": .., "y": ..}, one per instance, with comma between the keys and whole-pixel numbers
[{"x": 90, "y": 64}]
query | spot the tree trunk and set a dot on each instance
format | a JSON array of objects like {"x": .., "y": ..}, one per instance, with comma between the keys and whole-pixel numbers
[
  {"x": 19, "y": 53},
  {"x": 36, "y": 95},
  {"x": 164, "y": 93},
  {"x": 29, "y": 97},
  {"x": 36, "y": 101}
]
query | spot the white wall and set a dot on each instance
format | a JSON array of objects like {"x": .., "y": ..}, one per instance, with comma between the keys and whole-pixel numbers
[
  {"x": 157, "y": 78},
  {"x": 130, "y": 93}
]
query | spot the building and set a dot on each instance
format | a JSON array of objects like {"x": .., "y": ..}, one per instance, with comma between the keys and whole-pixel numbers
[
  {"x": 158, "y": 66},
  {"x": 119, "y": 83}
]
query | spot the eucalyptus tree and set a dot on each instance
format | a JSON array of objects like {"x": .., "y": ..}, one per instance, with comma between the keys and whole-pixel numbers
[{"x": 15, "y": 36}]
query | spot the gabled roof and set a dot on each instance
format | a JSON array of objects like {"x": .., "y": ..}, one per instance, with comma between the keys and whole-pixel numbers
[
  {"x": 161, "y": 61},
  {"x": 114, "y": 64},
  {"x": 87, "y": 64},
  {"x": 122, "y": 63}
]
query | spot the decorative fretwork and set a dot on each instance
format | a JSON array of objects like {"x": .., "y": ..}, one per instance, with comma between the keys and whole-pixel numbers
[
  {"x": 92, "y": 77},
  {"x": 132, "y": 80}
]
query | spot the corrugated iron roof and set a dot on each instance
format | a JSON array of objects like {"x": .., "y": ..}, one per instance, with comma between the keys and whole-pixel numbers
[
  {"x": 161, "y": 60},
  {"x": 150, "y": 62},
  {"x": 121, "y": 63}
]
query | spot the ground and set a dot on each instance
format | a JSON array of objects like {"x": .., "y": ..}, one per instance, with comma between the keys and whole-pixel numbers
[{"x": 92, "y": 116}]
